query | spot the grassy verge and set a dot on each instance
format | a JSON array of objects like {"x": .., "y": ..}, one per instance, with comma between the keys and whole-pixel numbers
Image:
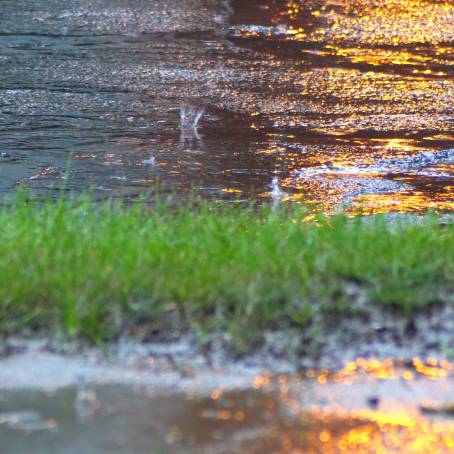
[{"x": 79, "y": 269}]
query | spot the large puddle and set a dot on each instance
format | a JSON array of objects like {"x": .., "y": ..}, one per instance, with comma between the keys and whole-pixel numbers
[
  {"x": 347, "y": 103},
  {"x": 369, "y": 406}
]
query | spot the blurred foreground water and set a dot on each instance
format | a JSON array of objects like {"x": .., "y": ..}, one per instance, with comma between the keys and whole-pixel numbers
[{"x": 369, "y": 406}]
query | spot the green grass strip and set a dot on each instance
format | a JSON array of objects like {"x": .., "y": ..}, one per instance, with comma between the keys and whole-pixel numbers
[{"x": 76, "y": 268}]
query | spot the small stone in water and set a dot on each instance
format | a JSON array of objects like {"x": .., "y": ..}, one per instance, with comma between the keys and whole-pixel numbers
[{"x": 373, "y": 402}]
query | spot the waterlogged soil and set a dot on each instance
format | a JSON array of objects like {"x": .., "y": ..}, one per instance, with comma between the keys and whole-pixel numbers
[{"x": 348, "y": 104}]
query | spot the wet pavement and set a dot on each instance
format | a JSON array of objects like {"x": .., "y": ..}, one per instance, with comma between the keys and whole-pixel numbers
[
  {"x": 369, "y": 406},
  {"x": 346, "y": 103}
]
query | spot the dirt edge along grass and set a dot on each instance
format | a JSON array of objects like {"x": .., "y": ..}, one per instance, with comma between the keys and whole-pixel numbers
[{"x": 96, "y": 271}]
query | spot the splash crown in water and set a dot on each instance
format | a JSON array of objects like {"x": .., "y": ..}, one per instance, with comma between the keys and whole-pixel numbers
[
  {"x": 190, "y": 116},
  {"x": 276, "y": 191}
]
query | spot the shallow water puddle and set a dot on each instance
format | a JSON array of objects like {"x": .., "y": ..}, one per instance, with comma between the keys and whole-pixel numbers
[{"x": 370, "y": 406}]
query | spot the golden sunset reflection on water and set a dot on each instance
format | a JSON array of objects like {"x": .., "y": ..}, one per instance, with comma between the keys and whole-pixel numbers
[
  {"x": 378, "y": 21},
  {"x": 369, "y": 432},
  {"x": 405, "y": 202},
  {"x": 370, "y": 105},
  {"x": 369, "y": 406},
  {"x": 335, "y": 413}
]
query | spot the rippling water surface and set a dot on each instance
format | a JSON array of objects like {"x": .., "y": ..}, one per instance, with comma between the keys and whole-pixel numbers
[{"x": 347, "y": 103}]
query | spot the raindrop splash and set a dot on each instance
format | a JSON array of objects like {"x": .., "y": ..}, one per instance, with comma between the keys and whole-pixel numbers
[
  {"x": 85, "y": 403},
  {"x": 151, "y": 161},
  {"x": 276, "y": 192},
  {"x": 190, "y": 117}
]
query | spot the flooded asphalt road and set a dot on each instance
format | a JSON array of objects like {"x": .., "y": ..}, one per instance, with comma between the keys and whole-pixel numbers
[
  {"x": 347, "y": 103},
  {"x": 395, "y": 408}
]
